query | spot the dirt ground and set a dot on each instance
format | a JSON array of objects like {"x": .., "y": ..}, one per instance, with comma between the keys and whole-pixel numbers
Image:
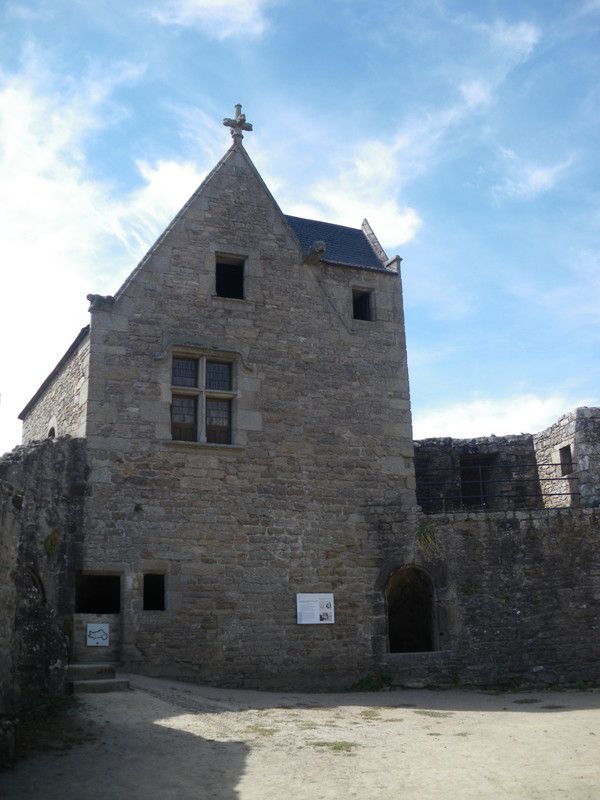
[{"x": 177, "y": 741}]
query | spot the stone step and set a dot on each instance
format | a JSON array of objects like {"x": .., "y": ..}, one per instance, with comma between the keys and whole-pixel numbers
[
  {"x": 100, "y": 685},
  {"x": 84, "y": 672}
]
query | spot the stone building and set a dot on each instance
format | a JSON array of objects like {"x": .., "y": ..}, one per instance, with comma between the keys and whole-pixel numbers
[{"x": 250, "y": 515}]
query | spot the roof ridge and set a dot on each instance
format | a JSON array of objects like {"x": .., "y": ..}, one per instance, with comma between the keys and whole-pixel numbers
[{"x": 324, "y": 222}]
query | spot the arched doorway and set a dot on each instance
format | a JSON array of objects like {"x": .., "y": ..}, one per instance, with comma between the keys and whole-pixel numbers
[{"x": 410, "y": 611}]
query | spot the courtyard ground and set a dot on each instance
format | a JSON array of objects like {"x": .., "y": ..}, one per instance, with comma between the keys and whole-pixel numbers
[{"x": 176, "y": 741}]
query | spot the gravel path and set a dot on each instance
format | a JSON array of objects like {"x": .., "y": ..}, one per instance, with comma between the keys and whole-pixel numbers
[{"x": 176, "y": 741}]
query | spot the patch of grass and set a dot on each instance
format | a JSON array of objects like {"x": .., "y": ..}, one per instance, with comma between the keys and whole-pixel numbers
[
  {"x": 336, "y": 746},
  {"x": 525, "y": 700},
  {"x": 261, "y": 730},
  {"x": 52, "y": 543},
  {"x": 382, "y": 682},
  {"x": 370, "y": 713},
  {"x": 423, "y": 712},
  {"x": 553, "y": 708}
]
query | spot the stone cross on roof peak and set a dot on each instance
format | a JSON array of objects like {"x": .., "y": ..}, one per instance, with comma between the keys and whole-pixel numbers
[{"x": 238, "y": 124}]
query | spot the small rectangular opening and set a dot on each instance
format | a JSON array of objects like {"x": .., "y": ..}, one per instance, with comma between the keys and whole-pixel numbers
[
  {"x": 566, "y": 460},
  {"x": 229, "y": 275},
  {"x": 154, "y": 592},
  {"x": 97, "y": 594},
  {"x": 362, "y": 305}
]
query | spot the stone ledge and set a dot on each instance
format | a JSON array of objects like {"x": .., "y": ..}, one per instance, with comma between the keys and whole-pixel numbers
[{"x": 228, "y": 448}]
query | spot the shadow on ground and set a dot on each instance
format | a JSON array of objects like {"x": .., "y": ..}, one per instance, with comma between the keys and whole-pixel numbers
[{"x": 116, "y": 746}]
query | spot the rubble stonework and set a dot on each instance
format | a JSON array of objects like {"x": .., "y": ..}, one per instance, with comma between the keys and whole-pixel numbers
[{"x": 41, "y": 499}]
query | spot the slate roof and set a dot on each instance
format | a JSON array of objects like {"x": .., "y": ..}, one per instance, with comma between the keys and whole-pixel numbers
[{"x": 347, "y": 246}]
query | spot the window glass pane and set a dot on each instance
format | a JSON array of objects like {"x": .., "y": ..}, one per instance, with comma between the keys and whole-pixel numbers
[
  {"x": 218, "y": 420},
  {"x": 185, "y": 372},
  {"x": 183, "y": 418},
  {"x": 218, "y": 376}
]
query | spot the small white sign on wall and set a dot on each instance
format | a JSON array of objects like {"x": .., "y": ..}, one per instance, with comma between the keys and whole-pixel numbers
[
  {"x": 315, "y": 609},
  {"x": 97, "y": 634}
]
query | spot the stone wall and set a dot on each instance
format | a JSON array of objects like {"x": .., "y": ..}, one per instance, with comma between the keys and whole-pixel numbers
[
  {"x": 504, "y": 465},
  {"x": 578, "y": 430},
  {"x": 517, "y": 597},
  {"x": 63, "y": 403},
  {"x": 41, "y": 505}
]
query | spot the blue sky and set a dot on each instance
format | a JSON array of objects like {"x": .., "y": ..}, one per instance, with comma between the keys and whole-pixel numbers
[{"x": 467, "y": 133}]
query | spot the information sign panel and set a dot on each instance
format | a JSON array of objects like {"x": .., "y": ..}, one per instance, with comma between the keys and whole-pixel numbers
[{"x": 315, "y": 609}]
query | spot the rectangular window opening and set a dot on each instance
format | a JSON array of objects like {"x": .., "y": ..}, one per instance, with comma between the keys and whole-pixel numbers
[
  {"x": 184, "y": 418},
  {"x": 218, "y": 420},
  {"x": 185, "y": 372},
  {"x": 154, "y": 592},
  {"x": 97, "y": 594},
  {"x": 566, "y": 460},
  {"x": 475, "y": 480},
  {"x": 362, "y": 307},
  {"x": 229, "y": 275}
]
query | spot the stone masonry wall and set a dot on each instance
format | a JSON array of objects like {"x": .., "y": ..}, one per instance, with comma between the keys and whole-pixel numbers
[
  {"x": 510, "y": 472},
  {"x": 41, "y": 509},
  {"x": 517, "y": 597},
  {"x": 321, "y": 432},
  {"x": 587, "y": 455},
  {"x": 63, "y": 405}
]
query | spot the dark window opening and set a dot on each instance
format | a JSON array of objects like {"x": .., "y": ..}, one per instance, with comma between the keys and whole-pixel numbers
[
  {"x": 184, "y": 412},
  {"x": 218, "y": 421},
  {"x": 97, "y": 594},
  {"x": 51, "y": 433},
  {"x": 409, "y": 597},
  {"x": 361, "y": 305},
  {"x": 154, "y": 592},
  {"x": 475, "y": 480},
  {"x": 230, "y": 278},
  {"x": 218, "y": 376},
  {"x": 566, "y": 460},
  {"x": 185, "y": 372}
]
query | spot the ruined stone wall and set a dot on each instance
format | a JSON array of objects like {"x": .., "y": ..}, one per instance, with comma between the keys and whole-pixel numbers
[
  {"x": 508, "y": 472},
  {"x": 560, "y": 491},
  {"x": 587, "y": 456},
  {"x": 41, "y": 506},
  {"x": 321, "y": 432},
  {"x": 517, "y": 597},
  {"x": 63, "y": 405}
]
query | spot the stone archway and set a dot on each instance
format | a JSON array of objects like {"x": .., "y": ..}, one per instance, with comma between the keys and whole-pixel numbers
[{"x": 410, "y": 611}]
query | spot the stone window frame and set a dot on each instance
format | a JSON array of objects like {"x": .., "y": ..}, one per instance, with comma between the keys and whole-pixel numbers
[
  {"x": 201, "y": 393},
  {"x": 359, "y": 289}
]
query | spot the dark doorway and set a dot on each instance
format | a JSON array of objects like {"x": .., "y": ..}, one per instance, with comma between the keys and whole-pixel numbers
[
  {"x": 409, "y": 597},
  {"x": 98, "y": 594}
]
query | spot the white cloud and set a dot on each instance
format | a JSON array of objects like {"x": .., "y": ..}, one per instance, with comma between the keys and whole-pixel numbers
[
  {"x": 526, "y": 179},
  {"x": 516, "y": 41},
  {"x": 476, "y": 93},
  {"x": 218, "y": 18},
  {"x": 365, "y": 185},
  {"x": 527, "y": 413},
  {"x": 63, "y": 234}
]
